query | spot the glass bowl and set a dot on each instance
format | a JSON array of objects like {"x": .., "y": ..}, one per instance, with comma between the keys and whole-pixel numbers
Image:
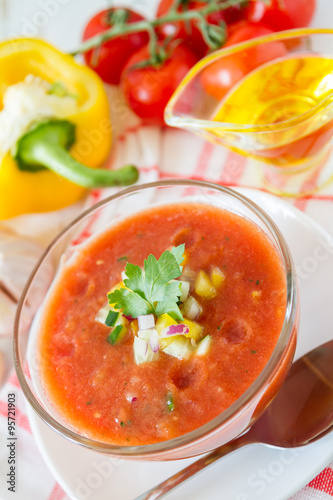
[
  {"x": 271, "y": 99},
  {"x": 243, "y": 412}
]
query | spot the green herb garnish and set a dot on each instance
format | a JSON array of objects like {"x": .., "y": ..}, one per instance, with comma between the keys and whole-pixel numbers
[
  {"x": 151, "y": 290},
  {"x": 112, "y": 338},
  {"x": 111, "y": 318},
  {"x": 253, "y": 351},
  {"x": 124, "y": 258},
  {"x": 257, "y": 282},
  {"x": 169, "y": 402}
]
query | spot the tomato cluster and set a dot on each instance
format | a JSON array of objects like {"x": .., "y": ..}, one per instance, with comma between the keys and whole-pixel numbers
[{"x": 124, "y": 60}]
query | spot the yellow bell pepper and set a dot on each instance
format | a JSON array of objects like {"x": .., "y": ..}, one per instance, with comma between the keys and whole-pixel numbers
[{"x": 27, "y": 191}]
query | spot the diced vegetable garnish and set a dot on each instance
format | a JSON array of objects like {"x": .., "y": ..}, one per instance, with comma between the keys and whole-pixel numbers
[
  {"x": 150, "y": 336},
  {"x": 165, "y": 342},
  {"x": 163, "y": 322},
  {"x": 180, "y": 347},
  {"x": 217, "y": 277},
  {"x": 144, "y": 334},
  {"x": 146, "y": 321},
  {"x": 111, "y": 318},
  {"x": 153, "y": 341},
  {"x": 169, "y": 402},
  {"x": 172, "y": 330},
  {"x": 103, "y": 314},
  {"x": 142, "y": 351},
  {"x": 195, "y": 330},
  {"x": 134, "y": 326},
  {"x": 191, "y": 308},
  {"x": 155, "y": 291},
  {"x": 203, "y": 346},
  {"x": 116, "y": 335},
  {"x": 119, "y": 331},
  {"x": 188, "y": 275},
  {"x": 204, "y": 287},
  {"x": 185, "y": 289}
]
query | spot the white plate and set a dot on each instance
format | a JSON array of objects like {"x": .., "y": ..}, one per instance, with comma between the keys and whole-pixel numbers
[{"x": 253, "y": 473}]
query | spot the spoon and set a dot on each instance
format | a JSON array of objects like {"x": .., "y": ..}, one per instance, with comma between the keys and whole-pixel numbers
[{"x": 301, "y": 413}]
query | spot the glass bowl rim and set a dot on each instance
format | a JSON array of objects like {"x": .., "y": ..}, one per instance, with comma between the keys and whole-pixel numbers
[
  {"x": 241, "y": 403},
  {"x": 187, "y": 122}
]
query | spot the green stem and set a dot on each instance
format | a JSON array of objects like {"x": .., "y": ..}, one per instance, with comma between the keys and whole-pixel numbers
[
  {"x": 171, "y": 17},
  {"x": 57, "y": 159},
  {"x": 46, "y": 145}
]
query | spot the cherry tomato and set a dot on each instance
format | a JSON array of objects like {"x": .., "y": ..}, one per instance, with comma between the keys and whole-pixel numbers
[
  {"x": 281, "y": 14},
  {"x": 148, "y": 89},
  {"x": 190, "y": 34},
  {"x": 109, "y": 59},
  {"x": 222, "y": 75},
  {"x": 242, "y": 31}
]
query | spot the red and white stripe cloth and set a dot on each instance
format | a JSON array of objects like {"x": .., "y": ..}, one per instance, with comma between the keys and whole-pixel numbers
[{"x": 159, "y": 154}]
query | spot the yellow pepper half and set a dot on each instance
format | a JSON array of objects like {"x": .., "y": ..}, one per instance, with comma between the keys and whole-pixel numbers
[{"x": 43, "y": 190}]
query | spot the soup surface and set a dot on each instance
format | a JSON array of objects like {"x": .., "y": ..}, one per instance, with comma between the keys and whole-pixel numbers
[{"x": 99, "y": 389}]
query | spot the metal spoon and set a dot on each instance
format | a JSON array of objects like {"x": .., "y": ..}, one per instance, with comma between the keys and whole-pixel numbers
[{"x": 301, "y": 413}]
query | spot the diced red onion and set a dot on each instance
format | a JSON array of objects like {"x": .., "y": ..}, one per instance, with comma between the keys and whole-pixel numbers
[
  {"x": 146, "y": 322},
  {"x": 129, "y": 318},
  {"x": 171, "y": 330},
  {"x": 153, "y": 341}
]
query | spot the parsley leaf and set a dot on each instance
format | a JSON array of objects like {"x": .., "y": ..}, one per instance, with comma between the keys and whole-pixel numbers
[
  {"x": 131, "y": 302},
  {"x": 151, "y": 290}
]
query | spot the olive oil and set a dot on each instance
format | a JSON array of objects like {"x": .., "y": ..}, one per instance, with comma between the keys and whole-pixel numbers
[{"x": 292, "y": 99}]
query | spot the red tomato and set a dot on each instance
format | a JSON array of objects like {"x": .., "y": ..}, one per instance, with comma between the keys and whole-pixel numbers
[
  {"x": 191, "y": 34},
  {"x": 281, "y": 14},
  {"x": 148, "y": 90},
  {"x": 222, "y": 75},
  {"x": 242, "y": 31},
  {"x": 109, "y": 59}
]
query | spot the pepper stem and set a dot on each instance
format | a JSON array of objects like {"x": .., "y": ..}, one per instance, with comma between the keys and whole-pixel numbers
[{"x": 46, "y": 146}]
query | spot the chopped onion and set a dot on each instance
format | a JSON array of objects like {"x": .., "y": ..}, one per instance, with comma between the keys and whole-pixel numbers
[
  {"x": 123, "y": 276},
  {"x": 203, "y": 346},
  {"x": 153, "y": 341},
  {"x": 185, "y": 289},
  {"x": 188, "y": 275},
  {"x": 145, "y": 322},
  {"x": 142, "y": 351},
  {"x": 191, "y": 308},
  {"x": 171, "y": 330},
  {"x": 144, "y": 334}
]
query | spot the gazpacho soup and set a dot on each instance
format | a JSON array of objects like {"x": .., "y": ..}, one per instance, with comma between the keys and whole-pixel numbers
[{"x": 160, "y": 323}]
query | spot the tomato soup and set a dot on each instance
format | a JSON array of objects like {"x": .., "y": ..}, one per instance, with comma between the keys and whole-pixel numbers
[{"x": 100, "y": 389}]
